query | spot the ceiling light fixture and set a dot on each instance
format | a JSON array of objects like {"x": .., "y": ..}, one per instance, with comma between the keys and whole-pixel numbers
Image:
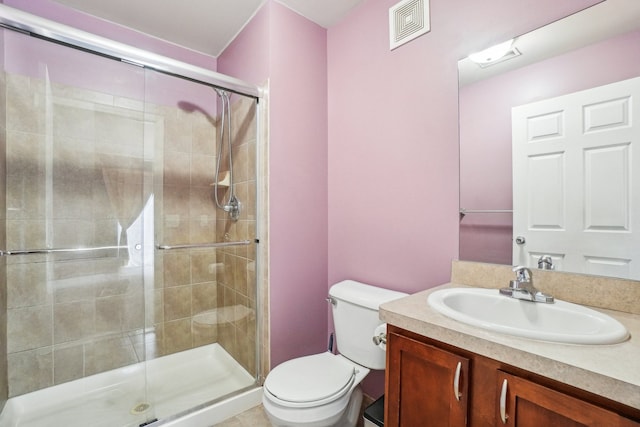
[{"x": 494, "y": 54}]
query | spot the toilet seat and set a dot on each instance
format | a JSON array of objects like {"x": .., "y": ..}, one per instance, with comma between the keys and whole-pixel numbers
[{"x": 310, "y": 380}]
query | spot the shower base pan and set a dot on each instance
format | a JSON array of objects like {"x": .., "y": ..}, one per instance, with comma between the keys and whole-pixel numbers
[{"x": 135, "y": 394}]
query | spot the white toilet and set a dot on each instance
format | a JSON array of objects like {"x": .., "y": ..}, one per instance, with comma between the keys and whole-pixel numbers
[{"x": 322, "y": 390}]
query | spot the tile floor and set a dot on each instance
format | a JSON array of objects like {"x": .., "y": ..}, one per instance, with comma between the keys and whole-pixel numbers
[{"x": 254, "y": 417}]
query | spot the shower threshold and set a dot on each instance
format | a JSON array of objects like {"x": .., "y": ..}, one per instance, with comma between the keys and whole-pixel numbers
[{"x": 132, "y": 395}]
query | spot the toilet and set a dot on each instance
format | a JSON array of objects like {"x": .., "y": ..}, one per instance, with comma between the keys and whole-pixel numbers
[{"x": 323, "y": 390}]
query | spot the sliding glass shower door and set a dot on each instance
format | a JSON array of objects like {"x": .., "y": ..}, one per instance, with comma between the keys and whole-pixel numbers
[
  {"x": 203, "y": 305},
  {"x": 130, "y": 289},
  {"x": 77, "y": 236}
]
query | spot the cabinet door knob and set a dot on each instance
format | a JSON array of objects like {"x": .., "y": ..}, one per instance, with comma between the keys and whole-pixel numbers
[
  {"x": 456, "y": 382},
  {"x": 503, "y": 402}
]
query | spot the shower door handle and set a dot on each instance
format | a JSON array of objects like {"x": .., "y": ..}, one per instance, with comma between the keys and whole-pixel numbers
[
  {"x": 204, "y": 245},
  {"x": 58, "y": 250}
]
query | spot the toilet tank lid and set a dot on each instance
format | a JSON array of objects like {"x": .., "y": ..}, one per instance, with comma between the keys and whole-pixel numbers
[{"x": 363, "y": 295}]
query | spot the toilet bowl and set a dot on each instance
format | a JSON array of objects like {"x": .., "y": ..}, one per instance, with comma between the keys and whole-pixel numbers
[{"x": 322, "y": 390}]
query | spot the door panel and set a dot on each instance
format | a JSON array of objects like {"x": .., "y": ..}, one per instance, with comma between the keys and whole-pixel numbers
[{"x": 574, "y": 160}]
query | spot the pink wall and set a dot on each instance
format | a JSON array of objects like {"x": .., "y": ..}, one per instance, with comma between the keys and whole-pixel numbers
[
  {"x": 291, "y": 51},
  {"x": 298, "y": 186},
  {"x": 248, "y": 56},
  {"x": 393, "y": 138},
  {"x": 485, "y": 132},
  {"x": 392, "y": 181}
]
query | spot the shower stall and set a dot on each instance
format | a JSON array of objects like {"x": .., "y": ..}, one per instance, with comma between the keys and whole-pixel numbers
[{"x": 129, "y": 234}]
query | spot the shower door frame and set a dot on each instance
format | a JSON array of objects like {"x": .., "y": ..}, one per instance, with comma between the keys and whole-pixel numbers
[{"x": 44, "y": 29}]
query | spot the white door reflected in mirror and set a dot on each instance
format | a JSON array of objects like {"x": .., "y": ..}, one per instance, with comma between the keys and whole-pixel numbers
[{"x": 573, "y": 162}]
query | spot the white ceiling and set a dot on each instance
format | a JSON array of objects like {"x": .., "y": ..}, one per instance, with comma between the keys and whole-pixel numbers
[{"x": 206, "y": 26}]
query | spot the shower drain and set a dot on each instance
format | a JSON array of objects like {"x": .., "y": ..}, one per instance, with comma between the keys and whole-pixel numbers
[{"x": 140, "y": 408}]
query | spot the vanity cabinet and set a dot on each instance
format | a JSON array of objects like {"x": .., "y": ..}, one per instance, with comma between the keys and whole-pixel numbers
[
  {"x": 429, "y": 383},
  {"x": 523, "y": 403}
]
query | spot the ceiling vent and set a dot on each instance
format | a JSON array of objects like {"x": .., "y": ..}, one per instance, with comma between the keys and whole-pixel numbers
[{"x": 407, "y": 20}]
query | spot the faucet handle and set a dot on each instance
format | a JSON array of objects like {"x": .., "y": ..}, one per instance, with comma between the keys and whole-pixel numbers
[
  {"x": 523, "y": 274},
  {"x": 545, "y": 262}
]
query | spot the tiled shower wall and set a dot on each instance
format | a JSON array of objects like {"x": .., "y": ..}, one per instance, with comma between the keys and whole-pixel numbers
[
  {"x": 69, "y": 316},
  {"x": 216, "y": 287},
  {"x": 236, "y": 280}
]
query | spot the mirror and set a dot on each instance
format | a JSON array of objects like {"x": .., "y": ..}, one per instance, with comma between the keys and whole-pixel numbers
[{"x": 596, "y": 47}]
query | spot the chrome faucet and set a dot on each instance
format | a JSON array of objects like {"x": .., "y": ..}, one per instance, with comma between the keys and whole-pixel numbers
[{"x": 522, "y": 287}]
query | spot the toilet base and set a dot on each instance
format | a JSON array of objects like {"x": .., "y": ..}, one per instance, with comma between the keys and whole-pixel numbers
[{"x": 317, "y": 417}]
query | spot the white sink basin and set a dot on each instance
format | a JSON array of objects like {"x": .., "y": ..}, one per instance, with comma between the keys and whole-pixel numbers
[{"x": 559, "y": 322}]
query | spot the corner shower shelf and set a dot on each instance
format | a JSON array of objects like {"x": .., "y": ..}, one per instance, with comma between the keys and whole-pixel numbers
[
  {"x": 224, "y": 182},
  {"x": 219, "y": 315}
]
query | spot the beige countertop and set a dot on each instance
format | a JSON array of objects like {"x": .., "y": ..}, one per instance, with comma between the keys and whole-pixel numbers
[{"x": 612, "y": 371}]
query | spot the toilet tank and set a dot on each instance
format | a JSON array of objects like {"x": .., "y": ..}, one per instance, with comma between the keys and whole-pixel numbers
[{"x": 355, "y": 317}]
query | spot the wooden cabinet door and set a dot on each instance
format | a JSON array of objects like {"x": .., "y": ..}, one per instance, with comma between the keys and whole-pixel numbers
[
  {"x": 522, "y": 403},
  {"x": 426, "y": 386}
]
